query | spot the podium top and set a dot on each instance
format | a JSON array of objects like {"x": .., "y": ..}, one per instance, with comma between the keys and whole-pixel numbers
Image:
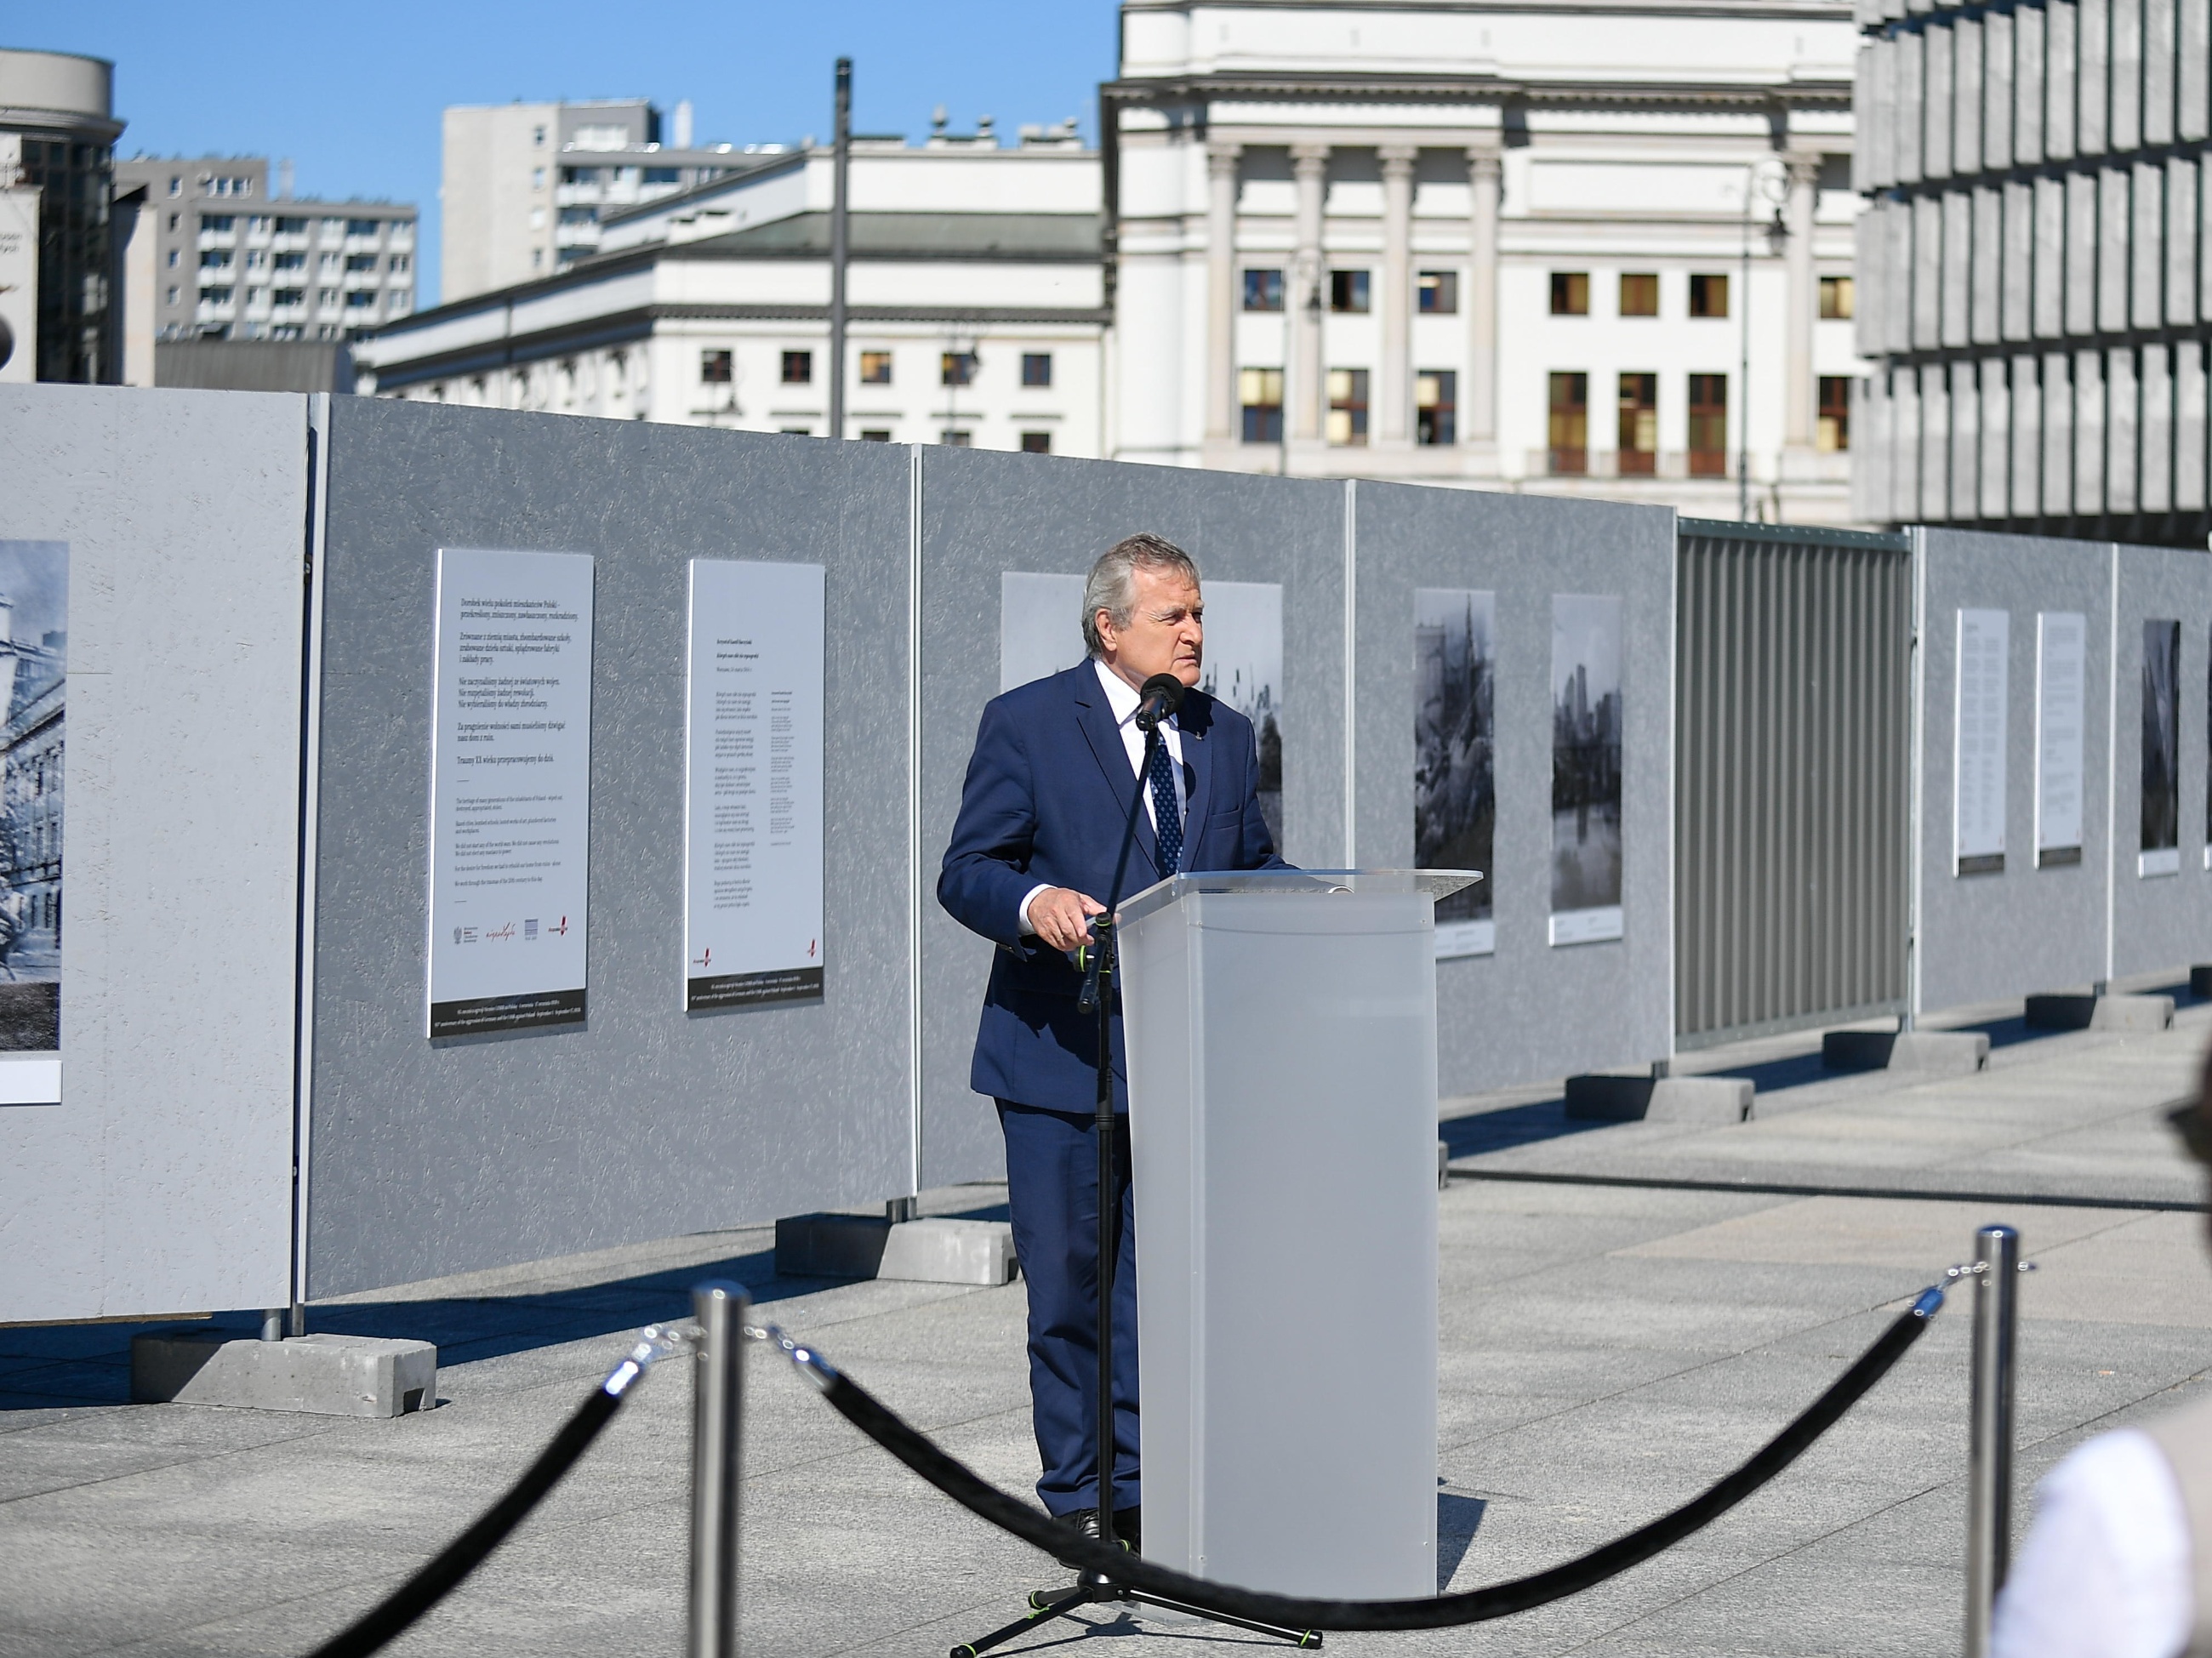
[{"x": 1437, "y": 883}]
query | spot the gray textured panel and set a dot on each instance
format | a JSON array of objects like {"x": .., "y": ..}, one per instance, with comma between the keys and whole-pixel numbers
[
  {"x": 1911, "y": 104},
  {"x": 1872, "y": 60},
  {"x": 2016, "y": 274},
  {"x": 2163, "y": 921},
  {"x": 1986, "y": 938},
  {"x": 1996, "y": 438},
  {"x": 2113, "y": 213},
  {"x": 2123, "y": 475},
  {"x": 2126, "y": 74},
  {"x": 2159, "y": 25},
  {"x": 2192, "y": 70},
  {"x": 2088, "y": 431},
  {"x": 162, "y": 1182},
  {"x": 2180, "y": 231},
  {"x": 1899, "y": 283},
  {"x": 2026, "y": 438},
  {"x": 1958, "y": 266},
  {"x": 1971, "y": 88},
  {"x": 1988, "y": 252},
  {"x": 2148, "y": 253},
  {"x": 1935, "y": 442},
  {"x": 2057, "y": 433},
  {"x": 1792, "y": 662},
  {"x": 1966, "y": 405},
  {"x": 1930, "y": 265},
  {"x": 985, "y": 513},
  {"x": 1936, "y": 139},
  {"x": 1870, "y": 425},
  {"x": 2061, "y": 55},
  {"x": 1871, "y": 263},
  {"x": 2154, "y": 435},
  {"x": 2000, "y": 51},
  {"x": 1905, "y": 447},
  {"x": 2092, "y": 84},
  {"x": 2027, "y": 86},
  {"x": 1496, "y": 1015},
  {"x": 2189, "y": 427},
  {"x": 2051, "y": 257},
  {"x": 429, "y": 1158}
]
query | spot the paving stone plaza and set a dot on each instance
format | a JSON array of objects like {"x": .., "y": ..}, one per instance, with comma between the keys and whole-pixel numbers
[{"x": 1608, "y": 1349}]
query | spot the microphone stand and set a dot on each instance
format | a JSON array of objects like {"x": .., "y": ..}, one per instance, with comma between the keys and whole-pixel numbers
[{"x": 1098, "y": 962}]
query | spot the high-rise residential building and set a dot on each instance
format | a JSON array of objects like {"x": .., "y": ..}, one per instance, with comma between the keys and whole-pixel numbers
[
  {"x": 1496, "y": 242},
  {"x": 526, "y": 186},
  {"x": 2035, "y": 271},
  {"x": 234, "y": 260},
  {"x": 974, "y": 313},
  {"x": 58, "y": 133}
]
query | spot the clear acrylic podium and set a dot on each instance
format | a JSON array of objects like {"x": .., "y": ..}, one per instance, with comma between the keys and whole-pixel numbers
[{"x": 1281, "y": 1030}]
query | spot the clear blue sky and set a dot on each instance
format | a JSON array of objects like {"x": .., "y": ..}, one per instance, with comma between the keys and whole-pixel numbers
[{"x": 353, "y": 94}]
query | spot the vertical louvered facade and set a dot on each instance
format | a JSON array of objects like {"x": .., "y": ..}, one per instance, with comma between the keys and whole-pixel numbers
[{"x": 2035, "y": 266}]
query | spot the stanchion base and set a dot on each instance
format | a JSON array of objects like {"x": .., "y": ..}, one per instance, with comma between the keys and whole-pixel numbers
[{"x": 1094, "y": 1590}]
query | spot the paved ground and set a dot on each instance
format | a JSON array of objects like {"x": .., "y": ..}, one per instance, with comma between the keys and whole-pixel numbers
[{"x": 1608, "y": 1349}]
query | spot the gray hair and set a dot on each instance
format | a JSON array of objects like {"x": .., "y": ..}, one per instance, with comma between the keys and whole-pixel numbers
[{"x": 1111, "y": 584}]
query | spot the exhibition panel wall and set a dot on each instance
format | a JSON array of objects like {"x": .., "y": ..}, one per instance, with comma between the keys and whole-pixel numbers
[
  {"x": 2015, "y": 760},
  {"x": 641, "y": 1119},
  {"x": 1792, "y": 778},
  {"x": 150, "y": 548},
  {"x": 1271, "y": 554},
  {"x": 2161, "y": 887},
  {"x": 1515, "y": 663}
]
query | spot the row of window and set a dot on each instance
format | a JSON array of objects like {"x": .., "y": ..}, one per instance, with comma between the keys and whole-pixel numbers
[
  {"x": 360, "y": 299},
  {"x": 1033, "y": 443},
  {"x": 1436, "y": 292},
  {"x": 719, "y": 366},
  {"x": 331, "y": 264},
  {"x": 1636, "y": 429},
  {"x": 259, "y": 224}
]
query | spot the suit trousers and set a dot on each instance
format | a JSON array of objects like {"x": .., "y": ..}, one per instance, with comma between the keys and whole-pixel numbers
[{"x": 1052, "y": 1190}]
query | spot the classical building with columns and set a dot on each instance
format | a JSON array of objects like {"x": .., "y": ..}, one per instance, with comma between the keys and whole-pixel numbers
[{"x": 1506, "y": 243}]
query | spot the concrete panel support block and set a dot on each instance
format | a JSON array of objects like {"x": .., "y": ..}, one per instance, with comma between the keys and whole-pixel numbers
[
  {"x": 1942, "y": 1052},
  {"x": 2132, "y": 1014},
  {"x": 932, "y": 1251},
  {"x": 1662, "y": 1099},
  {"x": 2200, "y": 982},
  {"x": 2068, "y": 1011},
  {"x": 322, "y": 1374}
]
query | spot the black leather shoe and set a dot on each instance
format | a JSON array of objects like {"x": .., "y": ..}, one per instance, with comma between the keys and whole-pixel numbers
[{"x": 1128, "y": 1527}]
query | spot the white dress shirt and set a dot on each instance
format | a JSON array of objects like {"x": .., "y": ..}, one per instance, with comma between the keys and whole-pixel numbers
[
  {"x": 1122, "y": 700},
  {"x": 2106, "y": 1572}
]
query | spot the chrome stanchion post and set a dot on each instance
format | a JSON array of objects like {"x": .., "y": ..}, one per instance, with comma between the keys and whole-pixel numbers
[
  {"x": 717, "y": 1446},
  {"x": 1989, "y": 1457}
]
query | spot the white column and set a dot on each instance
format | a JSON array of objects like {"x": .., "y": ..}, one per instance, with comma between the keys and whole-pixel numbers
[
  {"x": 1803, "y": 309},
  {"x": 1479, "y": 402},
  {"x": 1220, "y": 290},
  {"x": 1309, "y": 387},
  {"x": 1393, "y": 391}
]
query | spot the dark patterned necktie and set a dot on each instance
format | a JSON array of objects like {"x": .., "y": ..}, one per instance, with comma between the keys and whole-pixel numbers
[{"x": 1167, "y": 819}]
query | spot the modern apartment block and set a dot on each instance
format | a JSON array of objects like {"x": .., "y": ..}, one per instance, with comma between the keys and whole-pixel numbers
[
  {"x": 526, "y": 186},
  {"x": 2035, "y": 267},
  {"x": 233, "y": 261},
  {"x": 1496, "y": 242},
  {"x": 975, "y": 305}
]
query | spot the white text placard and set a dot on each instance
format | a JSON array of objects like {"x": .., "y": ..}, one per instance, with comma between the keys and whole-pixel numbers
[
  {"x": 1979, "y": 792},
  {"x": 2062, "y": 647},
  {"x": 510, "y": 791},
  {"x": 753, "y": 819}
]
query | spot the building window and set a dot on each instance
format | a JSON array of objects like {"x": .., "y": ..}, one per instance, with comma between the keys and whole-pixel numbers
[
  {"x": 215, "y": 296},
  {"x": 172, "y": 259},
  {"x": 291, "y": 296},
  {"x": 1569, "y": 428},
  {"x": 1435, "y": 406},
  {"x": 957, "y": 439},
  {"x": 360, "y": 299},
  {"x": 361, "y": 261},
  {"x": 537, "y": 138},
  {"x": 1037, "y": 443},
  {"x": 799, "y": 369},
  {"x": 537, "y": 178},
  {"x": 875, "y": 436},
  {"x": 363, "y": 227},
  {"x": 1436, "y": 293},
  {"x": 1834, "y": 434},
  {"x": 1836, "y": 298},
  {"x": 221, "y": 222},
  {"x": 1571, "y": 293},
  {"x": 173, "y": 296},
  {"x": 1036, "y": 370},
  {"x": 876, "y": 370},
  {"x": 172, "y": 221},
  {"x": 1347, "y": 291},
  {"x": 291, "y": 227},
  {"x": 1709, "y": 295},
  {"x": 1261, "y": 390},
  {"x": 958, "y": 368},
  {"x": 398, "y": 264},
  {"x": 796, "y": 431},
  {"x": 1636, "y": 436},
  {"x": 1263, "y": 290},
  {"x": 1347, "y": 407},
  {"x": 1708, "y": 422},
  {"x": 716, "y": 368},
  {"x": 1639, "y": 294},
  {"x": 175, "y": 184},
  {"x": 214, "y": 259},
  {"x": 291, "y": 262}
]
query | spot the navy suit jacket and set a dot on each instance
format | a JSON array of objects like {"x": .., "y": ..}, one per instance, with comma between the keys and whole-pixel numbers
[{"x": 1047, "y": 800}]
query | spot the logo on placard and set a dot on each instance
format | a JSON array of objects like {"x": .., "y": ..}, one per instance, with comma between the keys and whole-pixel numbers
[
  {"x": 501, "y": 935},
  {"x": 706, "y": 958},
  {"x": 809, "y": 949},
  {"x": 562, "y": 929},
  {"x": 529, "y": 929}
]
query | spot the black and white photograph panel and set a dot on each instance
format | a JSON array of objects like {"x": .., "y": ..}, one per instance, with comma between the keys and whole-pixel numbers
[
  {"x": 33, "y": 671},
  {"x": 2160, "y": 853},
  {"x": 1242, "y": 666},
  {"x": 1040, "y": 626},
  {"x": 1586, "y": 725},
  {"x": 1454, "y": 797}
]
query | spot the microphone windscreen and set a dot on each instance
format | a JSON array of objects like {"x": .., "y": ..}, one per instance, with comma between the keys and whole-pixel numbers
[{"x": 1167, "y": 689}]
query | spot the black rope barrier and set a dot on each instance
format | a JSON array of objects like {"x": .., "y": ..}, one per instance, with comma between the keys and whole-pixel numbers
[
  {"x": 1009, "y": 1514},
  {"x": 444, "y": 1574}
]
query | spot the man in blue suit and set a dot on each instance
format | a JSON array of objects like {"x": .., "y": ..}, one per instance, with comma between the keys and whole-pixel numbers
[{"x": 1030, "y": 862}]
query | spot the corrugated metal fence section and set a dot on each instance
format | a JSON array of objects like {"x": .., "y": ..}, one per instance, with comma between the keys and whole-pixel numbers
[{"x": 1792, "y": 746}]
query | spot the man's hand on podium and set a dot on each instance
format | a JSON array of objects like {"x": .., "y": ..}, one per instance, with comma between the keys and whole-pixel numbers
[{"x": 1062, "y": 916}]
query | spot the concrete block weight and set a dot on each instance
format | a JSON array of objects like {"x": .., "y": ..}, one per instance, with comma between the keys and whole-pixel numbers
[
  {"x": 936, "y": 1250},
  {"x": 2087, "y": 1011},
  {"x": 2200, "y": 982},
  {"x": 321, "y": 1374},
  {"x": 1942, "y": 1052},
  {"x": 1716, "y": 1100}
]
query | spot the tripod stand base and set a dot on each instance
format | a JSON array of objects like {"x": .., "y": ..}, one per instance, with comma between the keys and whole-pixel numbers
[{"x": 1093, "y": 1590}]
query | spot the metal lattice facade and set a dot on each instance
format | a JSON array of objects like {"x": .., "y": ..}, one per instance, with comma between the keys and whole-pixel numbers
[{"x": 1793, "y": 658}]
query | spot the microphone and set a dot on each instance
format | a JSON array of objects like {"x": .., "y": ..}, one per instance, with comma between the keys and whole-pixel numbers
[{"x": 1157, "y": 699}]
